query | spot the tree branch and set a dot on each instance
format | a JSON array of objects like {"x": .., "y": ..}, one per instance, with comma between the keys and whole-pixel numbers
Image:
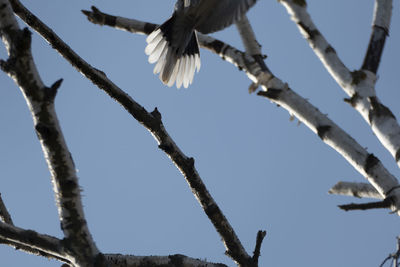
[
  {"x": 48, "y": 246},
  {"x": 355, "y": 189},
  {"x": 394, "y": 256},
  {"x": 34, "y": 243},
  {"x": 8, "y": 224},
  {"x": 358, "y": 84},
  {"x": 118, "y": 260},
  {"x": 380, "y": 29},
  {"x": 152, "y": 122},
  {"x": 257, "y": 249},
  {"x": 384, "y": 204},
  {"x": 40, "y": 99},
  {"x": 252, "y": 47},
  {"x": 131, "y": 25},
  {"x": 278, "y": 92}
]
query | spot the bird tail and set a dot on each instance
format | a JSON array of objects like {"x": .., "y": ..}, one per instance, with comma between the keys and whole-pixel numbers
[{"x": 176, "y": 51}]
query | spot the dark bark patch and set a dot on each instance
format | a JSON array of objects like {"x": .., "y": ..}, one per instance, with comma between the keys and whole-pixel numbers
[
  {"x": 370, "y": 162},
  {"x": 311, "y": 33},
  {"x": 271, "y": 93},
  {"x": 398, "y": 155},
  {"x": 330, "y": 49},
  {"x": 358, "y": 76},
  {"x": 217, "y": 46},
  {"x": 323, "y": 130},
  {"x": 301, "y": 3},
  {"x": 378, "y": 110}
]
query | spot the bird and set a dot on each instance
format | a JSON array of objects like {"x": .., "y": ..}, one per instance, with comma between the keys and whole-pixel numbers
[{"x": 174, "y": 46}]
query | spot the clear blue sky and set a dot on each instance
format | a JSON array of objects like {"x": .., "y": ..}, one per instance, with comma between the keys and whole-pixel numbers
[{"x": 264, "y": 171}]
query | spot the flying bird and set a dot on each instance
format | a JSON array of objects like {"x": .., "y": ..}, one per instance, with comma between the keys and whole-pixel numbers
[{"x": 173, "y": 46}]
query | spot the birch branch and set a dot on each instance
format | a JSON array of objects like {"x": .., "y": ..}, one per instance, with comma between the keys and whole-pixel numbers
[
  {"x": 278, "y": 92},
  {"x": 130, "y": 25},
  {"x": 44, "y": 245},
  {"x": 384, "y": 204},
  {"x": 248, "y": 37},
  {"x": 8, "y": 224},
  {"x": 360, "y": 190},
  {"x": 33, "y": 242},
  {"x": 118, "y": 260},
  {"x": 152, "y": 122},
  {"x": 358, "y": 84},
  {"x": 40, "y": 99},
  {"x": 252, "y": 47},
  {"x": 228, "y": 53},
  {"x": 245, "y": 30},
  {"x": 380, "y": 30},
  {"x": 260, "y": 237},
  {"x": 394, "y": 256}
]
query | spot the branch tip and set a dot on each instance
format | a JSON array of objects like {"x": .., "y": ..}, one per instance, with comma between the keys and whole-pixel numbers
[
  {"x": 95, "y": 16},
  {"x": 384, "y": 204},
  {"x": 260, "y": 237},
  {"x": 370, "y": 162},
  {"x": 51, "y": 91},
  {"x": 156, "y": 114}
]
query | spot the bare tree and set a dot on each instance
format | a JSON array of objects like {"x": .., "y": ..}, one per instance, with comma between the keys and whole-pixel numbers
[{"x": 77, "y": 247}]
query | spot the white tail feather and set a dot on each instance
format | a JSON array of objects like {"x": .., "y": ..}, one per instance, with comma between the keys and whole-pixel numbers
[{"x": 170, "y": 68}]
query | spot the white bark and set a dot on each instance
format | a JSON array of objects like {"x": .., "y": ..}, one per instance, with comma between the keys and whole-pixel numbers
[
  {"x": 359, "y": 85},
  {"x": 40, "y": 99},
  {"x": 361, "y": 190},
  {"x": 279, "y": 92}
]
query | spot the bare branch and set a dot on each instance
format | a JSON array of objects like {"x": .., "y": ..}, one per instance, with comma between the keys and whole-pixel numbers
[
  {"x": 355, "y": 189},
  {"x": 118, "y": 260},
  {"x": 251, "y": 64},
  {"x": 134, "y": 26},
  {"x": 252, "y": 47},
  {"x": 245, "y": 30},
  {"x": 33, "y": 242},
  {"x": 152, "y": 121},
  {"x": 384, "y": 204},
  {"x": 359, "y": 84},
  {"x": 279, "y": 92},
  {"x": 40, "y": 99},
  {"x": 380, "y": 29},
  {"x": 259, "y": 240},
  {"x": 394, "y": 256},
  {"x": 6, "y": 218}
]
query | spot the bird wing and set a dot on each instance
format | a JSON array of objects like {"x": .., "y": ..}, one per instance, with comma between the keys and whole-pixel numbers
[{"x": 220, "y": 14}]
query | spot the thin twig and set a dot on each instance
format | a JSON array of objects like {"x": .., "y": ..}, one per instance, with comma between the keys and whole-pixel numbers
[
  {"x": 384, "y": 204},
  {"x": 257, "y": 249},
  {"x": 380, "y": 30},
  {"x": 278, "y": 92},
  {"x": 6, "y": 218},
  {"x": 393, "y": 256},
  {"x": 359, "y": 85},
  {"x": 152, "y": 122},
  {"x": 40, "y": 99},
  {"x": 33, "y": 242}
]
